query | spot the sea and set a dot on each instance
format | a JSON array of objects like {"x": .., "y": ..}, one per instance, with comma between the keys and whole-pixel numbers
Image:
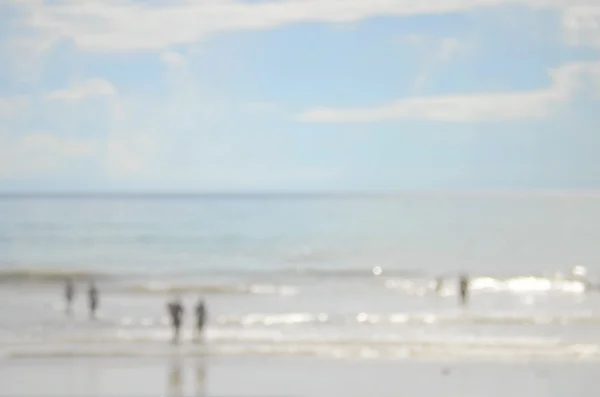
[{"x": 358, "y": 277}]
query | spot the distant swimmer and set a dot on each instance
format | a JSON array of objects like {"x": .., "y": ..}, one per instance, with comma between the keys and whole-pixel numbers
[
  {"x": 176, "y": 312},
  {"x": 464, "y": 288},
  {"x": 200, "y": 317},
  {"x": 93, "y": 299},
  {"x": 69, "y": 294}
]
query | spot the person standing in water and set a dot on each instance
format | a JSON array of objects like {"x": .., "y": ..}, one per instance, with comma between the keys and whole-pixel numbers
[
  {"x": 439, "y": 284},
  {"x": 176, "y": 312},
  {"x": 69, "y": 295},
  {"x": 93, "y": 299},
  {"x": 464, "y": 288},
  {"x": 200, "y": 316}
]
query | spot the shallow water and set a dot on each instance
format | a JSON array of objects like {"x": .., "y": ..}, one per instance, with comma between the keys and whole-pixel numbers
[{"x": 305, "y": 276}]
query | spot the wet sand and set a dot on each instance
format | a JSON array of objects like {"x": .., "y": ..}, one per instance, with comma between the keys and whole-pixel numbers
[{"x": 268, "y": 376}]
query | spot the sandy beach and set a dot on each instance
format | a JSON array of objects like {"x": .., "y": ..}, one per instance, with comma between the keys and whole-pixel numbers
[{"x": 310, "y": 377}]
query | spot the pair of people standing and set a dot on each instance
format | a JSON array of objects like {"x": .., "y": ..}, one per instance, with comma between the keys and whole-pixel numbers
[
  {"x": 93, "y": 297},
  {"x": 175, "y": 309},
  {"x": 464, "y": 283}
]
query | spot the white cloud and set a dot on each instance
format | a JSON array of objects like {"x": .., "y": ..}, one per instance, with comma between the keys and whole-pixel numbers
[
  {"x": 84, "y": 89},
  {"x": 448, "y": 48},
  {"x": 127, "y": 25},
  {"x": 437, "y": 52},
  {"x": 581, "y": 25},
  {"x": 412, "y": 39},
  {"x": 261, "y": 107},
  {"x": 510, "y": 106},
  {"x": 173, "y": 59},
  {"x": 129, "y": 154},
  {"x": 23, "y": 55},
  {"x": 38, "y": 153},
  {"x": 10, "y": 107}
]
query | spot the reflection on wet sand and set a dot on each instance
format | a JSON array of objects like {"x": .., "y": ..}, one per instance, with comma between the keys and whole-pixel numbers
[
  {"x": 200, "y": 378},
  {"x": 175, "y": 381},
  {"x": 175, "y": 384}
]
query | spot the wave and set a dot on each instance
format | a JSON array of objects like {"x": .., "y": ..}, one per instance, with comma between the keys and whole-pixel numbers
[
  {"x": 241, "y": 336},
  {"x": 354, "y": 272},
  {"x": 183, "y": 270},
  {"x": 409, "y": 319},
  {"x": 467, "y": 348},
  {"x": 255, "y": 289},
  {"x": 404, "y": 281},
  {"x": 362, "y": 318},
  {"x": 408, "y": 286},
  {"x": 529, "y": 284},
  {"x": 45, "y": 275},
  {"x": 488, "y": 284}
]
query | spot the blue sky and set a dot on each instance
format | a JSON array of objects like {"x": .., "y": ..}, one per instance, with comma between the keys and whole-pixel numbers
[{"x": 111, "y": 95}]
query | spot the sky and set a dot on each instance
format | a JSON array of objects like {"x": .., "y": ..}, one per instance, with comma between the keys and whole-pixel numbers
[{"x": 299, "y": 95}]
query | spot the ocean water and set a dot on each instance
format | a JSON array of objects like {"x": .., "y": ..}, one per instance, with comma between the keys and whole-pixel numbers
[{"x": 334, "y": 277}]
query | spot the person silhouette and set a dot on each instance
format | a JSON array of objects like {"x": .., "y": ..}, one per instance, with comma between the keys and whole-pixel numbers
[
  {"x": 69, "y": 295},
  {"x": 93, "y": 299},
  {"x": 200, "y": 317},
  {"x": 464, "y": 283},
  {"x": 175, "y": 309},
  {"x": 439, "y": 285}
]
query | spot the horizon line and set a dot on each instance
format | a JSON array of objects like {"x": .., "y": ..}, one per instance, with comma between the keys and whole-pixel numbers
[{"x": 590, "y": 193}]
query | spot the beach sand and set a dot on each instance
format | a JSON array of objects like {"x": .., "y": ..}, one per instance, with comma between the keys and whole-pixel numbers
[{"x": 294, "y": 376}]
